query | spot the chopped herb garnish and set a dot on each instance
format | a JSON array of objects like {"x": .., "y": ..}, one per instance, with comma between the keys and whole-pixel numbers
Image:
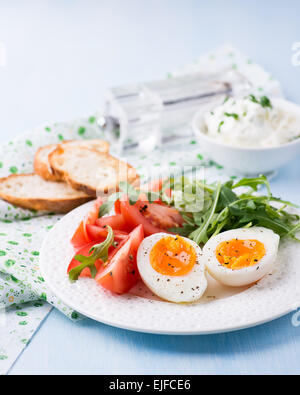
[
  {"x": 220, "y": 125},
  {"x": 264, "y": 101},
  {"x": 233, "y": 115}
]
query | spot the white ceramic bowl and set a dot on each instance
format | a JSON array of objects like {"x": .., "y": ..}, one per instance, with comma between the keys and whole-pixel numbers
[{"x": 247, "y": 161}]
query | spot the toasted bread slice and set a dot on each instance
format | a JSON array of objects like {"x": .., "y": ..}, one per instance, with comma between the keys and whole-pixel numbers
[
  {"x": 41, "y": 159},
  {"x": 33, "y": 192},
  {"x": 41, "y": 163},
  {"x": 90, "y": 171}
]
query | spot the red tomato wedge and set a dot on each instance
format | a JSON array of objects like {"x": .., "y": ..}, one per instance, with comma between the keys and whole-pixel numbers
[
  {"x": 121, "y": 273},
  {"x": 133, "y": 217},
  {"x": 99, "y": 234},
  {"x": 79, "y": 239},
  {"x": 118, "y": 207},
  {"x": 84, "y": 251},
  {"x": 160, "y": 215},
  {"x": 153, "y": 217},
  {"x": 116, "y": 222},
  {"x": 81, "y": 235}
]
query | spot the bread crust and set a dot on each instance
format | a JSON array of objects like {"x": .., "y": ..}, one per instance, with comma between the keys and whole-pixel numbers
[
  {"x": 57, "y": 205},
  {"x": 41, "y": 168}
]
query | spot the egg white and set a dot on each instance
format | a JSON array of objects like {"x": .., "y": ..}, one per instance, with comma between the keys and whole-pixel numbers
[
  {"x": 178, "y": 289},
  {"x": 248, "y": 275}
]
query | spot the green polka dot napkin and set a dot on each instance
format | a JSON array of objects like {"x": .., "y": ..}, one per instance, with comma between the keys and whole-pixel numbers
[{"x": 25, "y": 299}]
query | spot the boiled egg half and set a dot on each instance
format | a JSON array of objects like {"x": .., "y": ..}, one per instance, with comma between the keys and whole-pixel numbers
[
  {"x": 172, "y": 267},
  {"x": 240, "y": 257}
]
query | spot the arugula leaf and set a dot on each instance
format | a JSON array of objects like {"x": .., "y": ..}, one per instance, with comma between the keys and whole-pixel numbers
[
  {"x": 200, "y": 236},
  {"x": 227, "y": 196},
  {"x": 98, "y": 251},
  {"x": 254, "y": 183},
  {"x": 262, "y": 218},
  {"x": 184, "y": 231}
]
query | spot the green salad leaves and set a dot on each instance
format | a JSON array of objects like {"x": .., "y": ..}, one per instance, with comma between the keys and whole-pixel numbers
[
  {"x": 210, "y": 209},
  {"x": 98, "y": 251}
]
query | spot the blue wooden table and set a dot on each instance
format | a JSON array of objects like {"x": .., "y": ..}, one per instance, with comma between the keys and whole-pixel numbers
[{"x": 60, "y": 58}]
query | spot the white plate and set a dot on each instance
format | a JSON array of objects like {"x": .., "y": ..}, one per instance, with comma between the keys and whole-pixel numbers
[{"x": 222, "y": 309}]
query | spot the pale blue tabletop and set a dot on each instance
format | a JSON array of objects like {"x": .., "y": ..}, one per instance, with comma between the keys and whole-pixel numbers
[{"x": 61, "y": 55}]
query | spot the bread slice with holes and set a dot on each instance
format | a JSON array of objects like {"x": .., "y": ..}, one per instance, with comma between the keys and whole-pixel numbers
[
  {"x": 41, "y": 160},
  {"x": 90, "y": 171},
  {"x": 30, "y": 191}
]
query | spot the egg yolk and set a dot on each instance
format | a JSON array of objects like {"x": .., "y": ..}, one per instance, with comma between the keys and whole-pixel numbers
[
  {"x": 237, "y": 254},
  {"x": 173, "y": 256}
]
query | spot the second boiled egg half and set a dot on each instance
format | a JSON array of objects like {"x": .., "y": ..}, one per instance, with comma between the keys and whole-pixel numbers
[{"x": 241, "y": 256}]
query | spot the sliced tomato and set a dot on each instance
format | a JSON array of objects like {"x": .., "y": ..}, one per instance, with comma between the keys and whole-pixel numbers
[
  {"x": 136, "y": 237},
  {"x": 81, "y": 235},
  {"x": 93, "y": 215},
  {"x": 84, "y": 251},
  {"x": 79, "y": 238},
  {"x": 99, "y": 234},
  {"x": 116, "y": 222},
  {"x": 96, "y": 233},
  {"x": 133, "y": 217},
  {"x": 160, "y": 215},
  {"x": 121, "y": 273},
  {"x": 118, "y": 207}
]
